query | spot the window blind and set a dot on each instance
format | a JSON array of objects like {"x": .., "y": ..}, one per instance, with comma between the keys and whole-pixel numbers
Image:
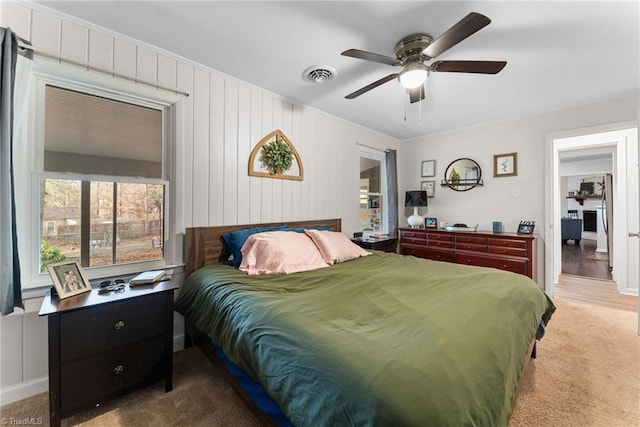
[{"x": 89, "y": 134}]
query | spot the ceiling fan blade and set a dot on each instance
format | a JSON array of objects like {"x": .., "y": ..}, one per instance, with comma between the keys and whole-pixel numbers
[
  {"x": 373, "y": 85},
  {"x": 369, "y": 56},
  {"x": 468, "y": 25},
  {"x": 481, "y": 67},
  {"x": 416, "y": 94}
]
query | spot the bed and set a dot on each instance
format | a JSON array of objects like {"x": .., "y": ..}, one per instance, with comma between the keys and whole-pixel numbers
[{"x": 383, "y": 339}]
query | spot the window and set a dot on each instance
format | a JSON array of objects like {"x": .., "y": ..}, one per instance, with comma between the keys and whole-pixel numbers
[
  {"x": 102, "y": 187},
  {"x": 123, "y": 221},
  {"x": 373, "y": 190}
]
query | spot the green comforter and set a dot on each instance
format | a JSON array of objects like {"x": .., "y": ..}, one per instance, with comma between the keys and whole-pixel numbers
[{"x": 380, "y": 340}]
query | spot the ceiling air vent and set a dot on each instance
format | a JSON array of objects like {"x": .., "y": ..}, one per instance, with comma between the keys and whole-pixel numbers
[{"x": 320, "y": 73}]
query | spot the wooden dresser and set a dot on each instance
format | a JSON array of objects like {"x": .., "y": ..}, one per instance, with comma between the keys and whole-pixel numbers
[
  {"x": 505, "y": 251},
  {"x": 103, "y": 345}
]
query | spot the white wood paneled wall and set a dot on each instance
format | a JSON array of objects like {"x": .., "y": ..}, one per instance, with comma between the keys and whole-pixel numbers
[
  {"x": 220, "y": 123},
  {"x": 216, "y": 129}
]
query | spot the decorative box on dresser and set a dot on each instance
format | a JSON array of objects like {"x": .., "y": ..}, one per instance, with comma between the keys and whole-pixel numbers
[
  {"x": 505, "y": 251},
  {"x": 103, "y": 345}
]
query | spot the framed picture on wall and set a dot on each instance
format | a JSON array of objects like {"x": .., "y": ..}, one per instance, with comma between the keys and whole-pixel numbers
[
  {"x": 428, "y": 168},
  {"x": 429, "y": 187},
  {"x": 505, "y": 165}
]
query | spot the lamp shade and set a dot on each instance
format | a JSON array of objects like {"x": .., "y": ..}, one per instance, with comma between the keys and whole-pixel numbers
[{"x": 416, "y": 199}]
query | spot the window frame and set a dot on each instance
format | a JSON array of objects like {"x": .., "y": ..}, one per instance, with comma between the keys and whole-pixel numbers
[
  {"x": 118, "y": 90},
  {"x": 380, "y": 155}
]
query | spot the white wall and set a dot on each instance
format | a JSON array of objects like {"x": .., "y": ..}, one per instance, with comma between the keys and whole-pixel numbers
[
  {"x": 506, "y": 199},
  {"x": 589, "y": 168},
  {"x": 495, "y": 200},
  {"x": 217, "y": 127}
]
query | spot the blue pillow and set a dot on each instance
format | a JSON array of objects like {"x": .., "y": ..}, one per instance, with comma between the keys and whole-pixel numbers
[{"x": 235, "y": 239}]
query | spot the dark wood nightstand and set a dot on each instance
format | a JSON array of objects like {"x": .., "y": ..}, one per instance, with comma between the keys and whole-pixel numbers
[
  {"x": 103, "y": 345},
  {"x": 387, "y": 244}
]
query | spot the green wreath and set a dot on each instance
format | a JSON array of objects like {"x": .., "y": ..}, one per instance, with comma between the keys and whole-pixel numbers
[{"x": 277, "y": 156}]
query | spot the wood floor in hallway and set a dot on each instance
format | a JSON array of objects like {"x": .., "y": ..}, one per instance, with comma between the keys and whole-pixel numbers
[
  {"x": 586, "y": 278},
  {"x": 583, "y": 260},
  {"x": 603, "y": 293}
]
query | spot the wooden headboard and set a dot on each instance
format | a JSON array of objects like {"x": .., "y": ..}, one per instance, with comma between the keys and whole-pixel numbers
[{"x": 204, "y": 245}]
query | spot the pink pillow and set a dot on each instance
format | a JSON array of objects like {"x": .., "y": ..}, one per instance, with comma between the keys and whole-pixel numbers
[
  {"x": 335, "y": 247},
  {"x": 280, "y": 252}
]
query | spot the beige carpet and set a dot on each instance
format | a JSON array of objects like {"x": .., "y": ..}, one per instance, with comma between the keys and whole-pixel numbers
[{"x": 587, "y": 374}]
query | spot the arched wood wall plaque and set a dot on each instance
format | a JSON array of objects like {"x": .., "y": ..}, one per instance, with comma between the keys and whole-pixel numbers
[{"x": 257, "y": 168}]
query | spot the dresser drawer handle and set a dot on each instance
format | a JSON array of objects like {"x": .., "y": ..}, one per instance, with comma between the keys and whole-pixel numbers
[
  {"x": 118, "y": 325},
  {"x": 118, "y": 369}
]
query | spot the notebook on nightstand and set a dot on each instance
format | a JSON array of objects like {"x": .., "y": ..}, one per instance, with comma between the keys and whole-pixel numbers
[{"x": 147, "y": 277}]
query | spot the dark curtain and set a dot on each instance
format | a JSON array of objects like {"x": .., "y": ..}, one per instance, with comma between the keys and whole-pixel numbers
[
  {"x": 10, "y": 283},
  {"x": 392, "y": 192}
]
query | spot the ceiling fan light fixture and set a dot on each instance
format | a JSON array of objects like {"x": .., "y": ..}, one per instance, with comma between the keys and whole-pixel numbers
[{"x": 413, "y": 75}]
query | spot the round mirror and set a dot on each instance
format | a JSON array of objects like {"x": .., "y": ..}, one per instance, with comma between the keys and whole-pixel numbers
[{"x": 462, "y": 175}]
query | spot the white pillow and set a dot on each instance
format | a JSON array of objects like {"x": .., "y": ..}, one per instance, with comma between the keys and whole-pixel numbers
[
  {"x": 335, "y": 247},
  {"x": 280, "y": 252}
]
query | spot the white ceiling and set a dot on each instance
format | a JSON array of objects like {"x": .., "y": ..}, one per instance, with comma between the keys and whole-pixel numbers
[{"x": 559, "y": 54}]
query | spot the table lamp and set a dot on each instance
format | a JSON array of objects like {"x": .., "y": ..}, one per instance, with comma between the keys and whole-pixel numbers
[{"x": 415, "y": 200}]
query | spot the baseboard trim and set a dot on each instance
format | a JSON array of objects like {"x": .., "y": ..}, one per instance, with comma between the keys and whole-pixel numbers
[
  {"x": 21, "y": 391},
  {"x": 630, "y": 292}
]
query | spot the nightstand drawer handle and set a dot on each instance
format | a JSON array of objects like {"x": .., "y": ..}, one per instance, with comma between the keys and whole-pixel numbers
[
  {"x": 118, "y": 369},
  {"x": 118, "y": 325}
]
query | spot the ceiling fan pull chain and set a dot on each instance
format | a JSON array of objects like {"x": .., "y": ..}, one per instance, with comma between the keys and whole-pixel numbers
[
  {"x": 405, "y": 111},
  {"x": 421, "y": 97}
]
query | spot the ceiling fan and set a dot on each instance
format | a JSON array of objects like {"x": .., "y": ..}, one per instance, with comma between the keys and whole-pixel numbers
[{"x": 413, "y": 51}]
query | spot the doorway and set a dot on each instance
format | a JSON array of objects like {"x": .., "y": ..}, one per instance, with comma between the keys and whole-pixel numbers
[
  {"x": 621, "y": 141},
  {"x": 586, "y": 177}
]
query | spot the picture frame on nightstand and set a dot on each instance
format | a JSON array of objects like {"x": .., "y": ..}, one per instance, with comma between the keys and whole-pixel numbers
[{"x": 68, "y": 279}]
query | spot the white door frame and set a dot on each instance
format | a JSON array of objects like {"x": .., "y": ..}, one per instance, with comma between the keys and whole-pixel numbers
[
  {"x": 615, "y": 135},
  {"x": 638, "y": 229}
]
